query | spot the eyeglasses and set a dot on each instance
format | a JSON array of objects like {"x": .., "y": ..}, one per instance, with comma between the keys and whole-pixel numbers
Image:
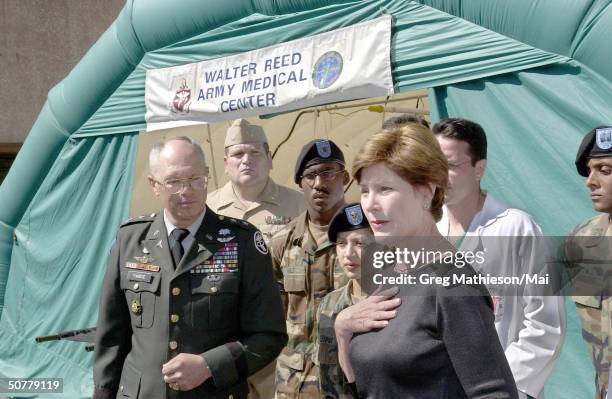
[
  {"x": 175, "y": 186},
  {"x": 326, "y": 175}
]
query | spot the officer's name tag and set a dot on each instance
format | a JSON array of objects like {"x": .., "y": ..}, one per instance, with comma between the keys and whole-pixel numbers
[
  {"x": 277, "y": 220},
  {"x": 140, "y": 276},
  {"x": 142, "y": 266}
]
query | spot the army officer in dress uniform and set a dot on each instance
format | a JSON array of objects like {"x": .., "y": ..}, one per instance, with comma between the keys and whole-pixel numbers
[{"x": 189, "y": 307}]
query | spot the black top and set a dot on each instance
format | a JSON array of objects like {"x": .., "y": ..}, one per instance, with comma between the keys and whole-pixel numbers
[{"x": 441, "y": 345}]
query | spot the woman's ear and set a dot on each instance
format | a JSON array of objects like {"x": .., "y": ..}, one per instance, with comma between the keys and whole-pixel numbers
[{"x": 427, "y": 191}]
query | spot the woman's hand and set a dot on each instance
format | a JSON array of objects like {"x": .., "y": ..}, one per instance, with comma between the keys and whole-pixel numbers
[{"x": 372, "y": 312}]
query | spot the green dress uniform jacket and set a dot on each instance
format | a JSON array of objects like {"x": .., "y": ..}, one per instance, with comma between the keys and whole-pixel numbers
[
  {"x": 588, "y": 251},
  {"x": 306, "y": 273},
  {"x": 221, "y": 302}
]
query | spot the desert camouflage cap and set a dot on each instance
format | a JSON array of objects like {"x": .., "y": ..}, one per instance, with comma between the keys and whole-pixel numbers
[{"x": 241, "y": 131}]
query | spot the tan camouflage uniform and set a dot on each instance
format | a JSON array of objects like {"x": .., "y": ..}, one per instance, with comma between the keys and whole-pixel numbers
[
  {"x": 305, "y": 274},
  {"x": 590, "y": 263},
  {"x": 333, "y": 383}
]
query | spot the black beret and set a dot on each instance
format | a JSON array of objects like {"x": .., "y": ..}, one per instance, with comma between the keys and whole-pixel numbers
[
  {"x": 314, "y": 152},
  {"x": 348, "y": 218},
  {"x": 596, "y": 144}
]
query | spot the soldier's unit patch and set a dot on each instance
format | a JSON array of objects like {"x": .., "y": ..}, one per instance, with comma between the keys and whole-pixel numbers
[
  {"x": 260, "y": 243},
  {"x": 604, "y": 138},
  {"x": 225, "y": 260},
  {"x": 323, "y": 148},
  {"x": 354, "y": 215},
  {"x": 142, "y": 266}
]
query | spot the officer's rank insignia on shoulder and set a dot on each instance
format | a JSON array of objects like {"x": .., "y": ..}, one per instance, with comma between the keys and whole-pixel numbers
[
  {"x": 139, "y": 219},
  {"x": 260, "y": 243},
  {"x": 235, "y": 223}
]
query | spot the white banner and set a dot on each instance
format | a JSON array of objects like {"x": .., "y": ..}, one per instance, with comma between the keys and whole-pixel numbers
[{"x": 345, "y": 64}]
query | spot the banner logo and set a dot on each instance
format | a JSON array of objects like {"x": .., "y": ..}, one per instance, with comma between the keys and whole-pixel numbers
[
  {"x": 182, "y": 99},
  {"x": 327, "y": 70}
]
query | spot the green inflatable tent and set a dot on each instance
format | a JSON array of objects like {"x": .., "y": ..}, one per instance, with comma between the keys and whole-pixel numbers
[{"x": 535, "y": 73}]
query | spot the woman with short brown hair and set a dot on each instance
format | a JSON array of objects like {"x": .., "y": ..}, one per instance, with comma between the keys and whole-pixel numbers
[{"x": 441, "y": 342}]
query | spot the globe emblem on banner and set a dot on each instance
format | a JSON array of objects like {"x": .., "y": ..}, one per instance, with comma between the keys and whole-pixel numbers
[{"x": 327, "y": 69}]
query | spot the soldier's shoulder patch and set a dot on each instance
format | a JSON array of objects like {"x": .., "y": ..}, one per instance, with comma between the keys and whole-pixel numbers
[
  {"x": 139, "y": 219},
  {"x": 260, "y": 243}
]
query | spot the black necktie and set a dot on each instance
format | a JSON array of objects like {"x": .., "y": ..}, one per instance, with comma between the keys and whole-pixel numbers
[{"x": 177, "y": 250}]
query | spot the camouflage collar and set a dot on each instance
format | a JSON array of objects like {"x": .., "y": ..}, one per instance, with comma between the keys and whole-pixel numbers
[
  {"x": 600, "y": 227},
  {"x": 304, "y": 239}
]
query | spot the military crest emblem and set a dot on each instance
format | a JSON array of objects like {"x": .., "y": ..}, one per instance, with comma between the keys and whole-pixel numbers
[
  {"x": 182, "y": 99},
  {"x": 323, "y": 148},
  {"x": 260, "y": 243},
  {"x": 354, "y": 215},
  {"x": 604, "y": 138}
]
